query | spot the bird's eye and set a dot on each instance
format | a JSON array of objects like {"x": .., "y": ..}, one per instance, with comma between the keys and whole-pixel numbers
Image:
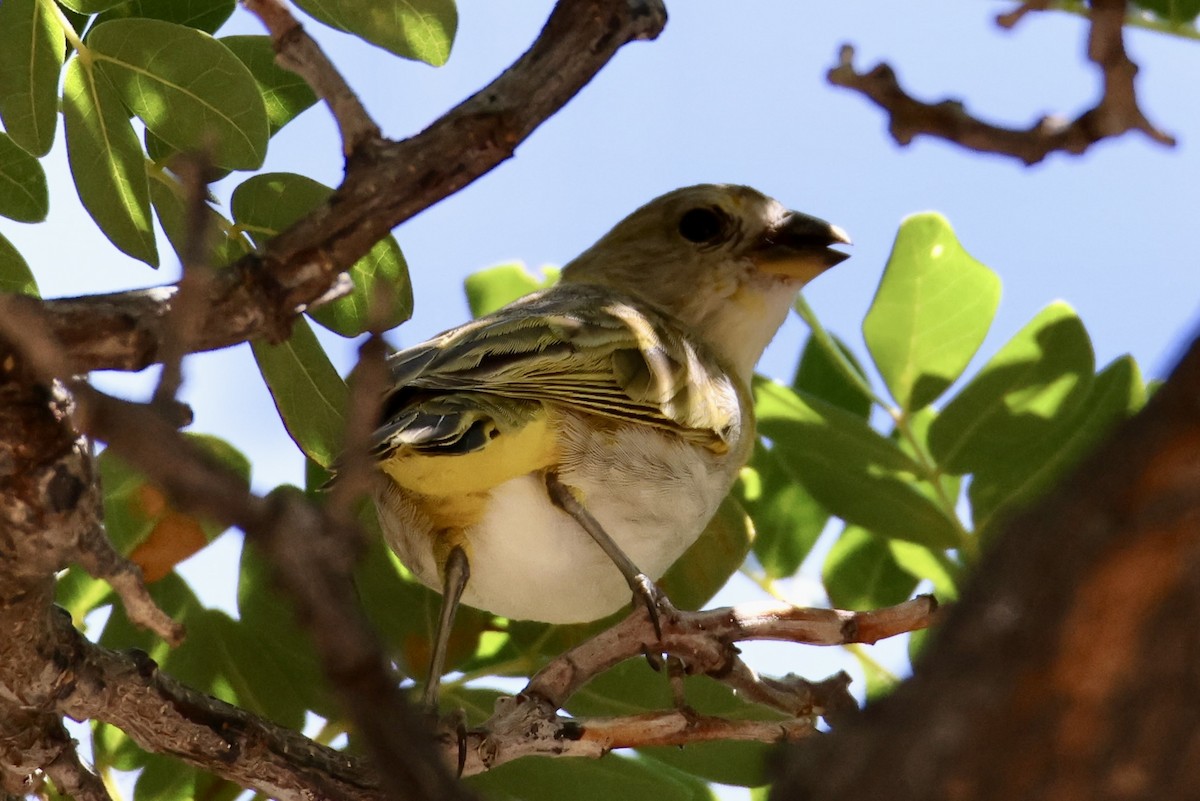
[{"x": 702, "y": 225}]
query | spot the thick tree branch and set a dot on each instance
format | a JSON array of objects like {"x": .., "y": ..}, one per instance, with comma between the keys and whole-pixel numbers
[
  {"x": 386, "y": 183},
  {"x": 1115, "y": 114},
  {"x": 1073, "y": 651}
]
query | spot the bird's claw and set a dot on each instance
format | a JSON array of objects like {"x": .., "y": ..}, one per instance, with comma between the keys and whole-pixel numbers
[{"x": 658, "y": 605}]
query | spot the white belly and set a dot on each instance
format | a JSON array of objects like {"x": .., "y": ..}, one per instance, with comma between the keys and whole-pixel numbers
[{"x": 531, "y": 561}]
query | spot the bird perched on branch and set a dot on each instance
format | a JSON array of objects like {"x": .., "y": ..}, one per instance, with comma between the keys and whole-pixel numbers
[{"x": 542, "y": 461}]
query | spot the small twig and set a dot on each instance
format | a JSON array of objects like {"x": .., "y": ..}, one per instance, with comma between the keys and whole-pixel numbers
[
  {"x": 1011, "y": 18},
  {"x": 188, "y": 307},
  {"x": 700, "y": 642},
  {"x": 1116, "y": 113},
  {"x": 297, "y": 51},
  {"x": 704, "y": 639},
  {"x": 368, "y": 383}
]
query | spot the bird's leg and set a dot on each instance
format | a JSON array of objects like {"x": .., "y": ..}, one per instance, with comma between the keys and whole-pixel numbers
[
  {"x": 644, "y": 588},
  {"x": 454, "y": 581}
]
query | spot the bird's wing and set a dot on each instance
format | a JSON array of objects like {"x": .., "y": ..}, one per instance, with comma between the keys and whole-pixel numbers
[{"x": 577, "y": 347}]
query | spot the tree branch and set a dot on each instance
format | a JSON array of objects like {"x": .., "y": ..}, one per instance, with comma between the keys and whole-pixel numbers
[
  {"x": 298, "y": 52},
  {"x": 1116, "y": 113},
  {"x": 386, "y": 183},
  {"x": 530, "y": 723}
]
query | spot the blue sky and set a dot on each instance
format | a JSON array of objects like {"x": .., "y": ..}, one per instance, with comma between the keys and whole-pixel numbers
[{"x": 736, "y": 92}]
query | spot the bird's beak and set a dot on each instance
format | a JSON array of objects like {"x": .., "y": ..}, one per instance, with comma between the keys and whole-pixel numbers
[{"x": 798, "y": 247}]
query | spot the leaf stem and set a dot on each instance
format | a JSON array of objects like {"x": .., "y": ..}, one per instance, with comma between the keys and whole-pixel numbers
[
  {"x": 68, "y": 31},
  {"x": 834, "y": 352}
]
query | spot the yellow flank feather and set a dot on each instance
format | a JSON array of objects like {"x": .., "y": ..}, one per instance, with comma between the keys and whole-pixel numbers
[{"x": 508, "y": 455}]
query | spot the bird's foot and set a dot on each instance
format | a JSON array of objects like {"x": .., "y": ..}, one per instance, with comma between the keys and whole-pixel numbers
[
  {"x": 658, "y": 606},
  {"x": 450, "y": 727}
]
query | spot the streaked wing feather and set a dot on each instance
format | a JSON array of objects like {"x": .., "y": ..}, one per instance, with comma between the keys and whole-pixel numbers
[{"x": 581, "y": 348}]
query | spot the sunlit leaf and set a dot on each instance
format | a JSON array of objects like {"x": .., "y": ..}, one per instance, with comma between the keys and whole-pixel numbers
[
  {"x": 787, "y": 519},
  {"x": 928, "y": 565},
  {"x": 1116, "y": 393},
  {"x": 204, "y": 15},
  {"x": 222, "y": 246},
  {"x": 285, "y": 93},
  {"x": 817, "y": 375},
  {"x": 23, "y": 192},
  {"x": 489, "y": 289},
  {"x": 418, "y": 29},
  {"x": 107, "y": 162},
  {"x": 15, "y": 275},
  {"x": 307, "y": 390},
  {"x": 850, "y": 469},
  {"x": 217, "y": 110},
  {"x": 31, "y": 58},
  {"x": 931, "y": 312},
  {"x": 267, "y": 204},
  {"x": 1021, "y": 396},
  {"x": 89, "y": 6},
  {"x": 861, "y": 573}
]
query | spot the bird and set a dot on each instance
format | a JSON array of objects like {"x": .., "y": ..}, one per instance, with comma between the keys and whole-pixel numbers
[{"x": 542, "y": 461}]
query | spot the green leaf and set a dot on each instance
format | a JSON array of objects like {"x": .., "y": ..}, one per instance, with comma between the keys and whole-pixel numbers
[
  {"x": 860, "y": 572},
  {"x": 405, "y": 612},
  {"x": 88, "y": 7},
  {"x": 1116, "y": 393},
  {"x": 712, "y": 558},
  {"x": 107, "y": 162},
  {"x": 31, "y": 58},
  {"x": 787, "y": 519},
  {"x": 217, "y": 109},
  {"x": 23, "y": 193},
  {"x": 1020, "y": 397},
  {"x": 270, "y": 623},
  {"x": 222, "y": 246},
  {"x": 928, "y": 565},
  {"x": 307, "y": 390},
  {"x": 1176, "y": 12},
  {"x": 489, "y": 289},
  {"x": 79, "y": 594},
  {"x": 164, "y": 779},
  {"x": 631, "y": 688},
  {"x": 817, "y": 375},
  {"x": 15, "y": 275},
  {"x": 615, "y": 776},
  {"x": 285, "y": 93},
  {"x": 849, "y": 468},
  {"x": 204, "y": 15},
  {"x": 931, "y": 312},
  {"x": 267, "y": 204},
  {"x": 422, "y": 30},
  {"x": 139, "y": 519}
]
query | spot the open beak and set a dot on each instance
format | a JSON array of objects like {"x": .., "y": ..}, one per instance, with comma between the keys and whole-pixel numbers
[{"x": 799, "y": 247}]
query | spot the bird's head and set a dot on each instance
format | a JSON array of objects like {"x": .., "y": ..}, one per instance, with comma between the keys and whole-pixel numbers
[{"x": 725, "y": 260}]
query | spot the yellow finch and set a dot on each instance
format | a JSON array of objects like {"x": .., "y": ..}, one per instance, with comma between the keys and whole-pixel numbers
[{"x": 542, "y": 460}]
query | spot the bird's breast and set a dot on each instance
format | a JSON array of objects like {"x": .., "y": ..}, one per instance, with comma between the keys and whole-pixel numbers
[{"x": 652, "y": 491}]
